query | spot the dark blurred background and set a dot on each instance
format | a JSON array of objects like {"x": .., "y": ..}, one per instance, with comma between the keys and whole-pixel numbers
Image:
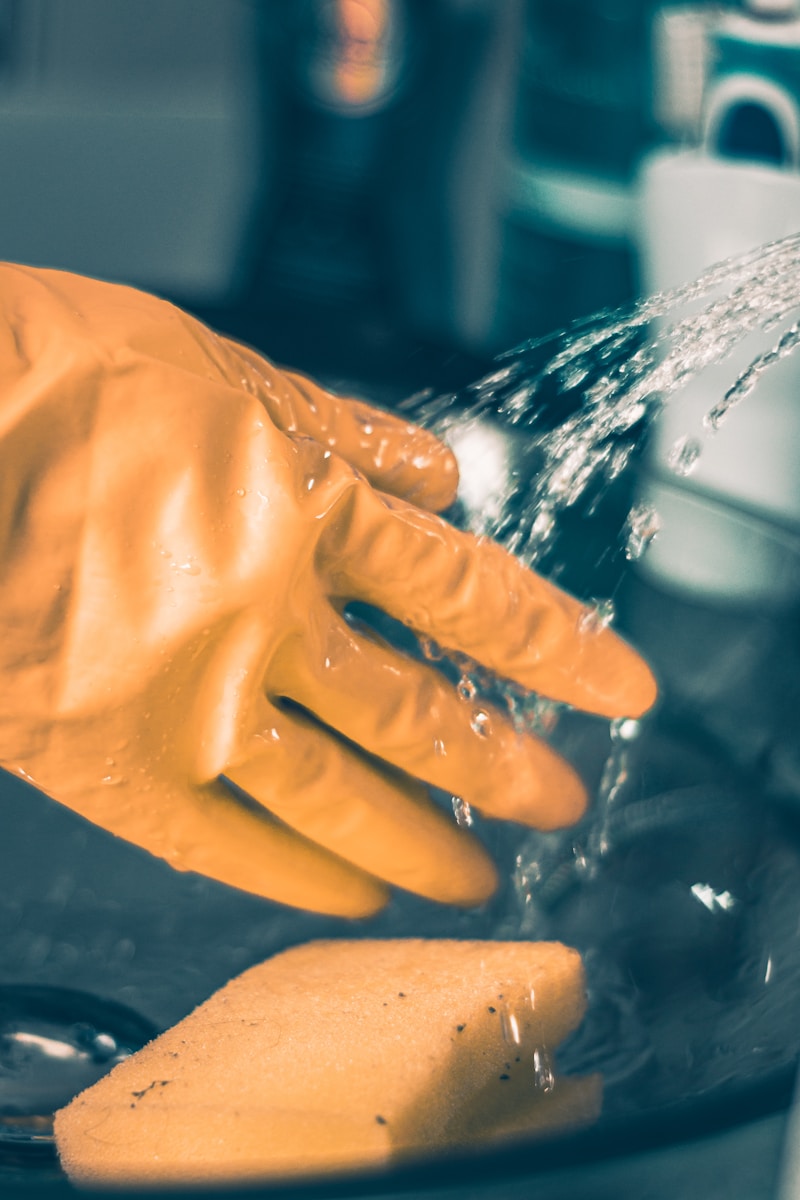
[{"x": 379, "y": 191}]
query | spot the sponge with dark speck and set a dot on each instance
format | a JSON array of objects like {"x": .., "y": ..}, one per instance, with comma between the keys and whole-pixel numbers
[{"x": 337, "y": 1055}]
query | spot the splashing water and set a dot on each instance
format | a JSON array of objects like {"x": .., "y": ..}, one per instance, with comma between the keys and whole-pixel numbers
[
  {"x": 643, "y": 525},
  {"x": 616, "y": 774},
  {"x": 581, "y": 401},
  {"x": 684, "y": 455},
  {"x": 462, "y": 812},
  {"x": 597, "y": 616},
  {"x": 610, "y": 375},
  {"x": 575, "y": 409}
]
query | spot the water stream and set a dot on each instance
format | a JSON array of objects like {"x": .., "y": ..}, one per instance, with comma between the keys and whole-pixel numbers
[
  {"x": 695, "y": 883},
  {"x": 606, "y": 378}
]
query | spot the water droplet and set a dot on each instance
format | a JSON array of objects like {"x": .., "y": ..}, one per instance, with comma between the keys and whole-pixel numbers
[
  {"x": 509, "y": 1026},
  {"x": 543, "y": 525},
  {"x": 543, "y": 1070},
  {"x": 618, "y": 461},
  {"x": 625, "y": 729},
  {"x": 599, "y": 616},
  {"x": 189, "y": 567},
  {"x": 581, "y": 859},
  {"x": 462, "y": 812},
  {"x": 439, "y": 748},
  {"x": 643, "y": 526},
  {"x": 684, "y": 455},
  {"x": 241, "y": 491},
  {"x": 481, "y": 723},
  {"x": 541, "y": 716},
  {"x": 466, "y": 688},
  {"x": 112, "y": 780},
  {"x": 528, "y": 874},
  {"x": 309, "y": 482},
  {"x": 431, "y": 650}
]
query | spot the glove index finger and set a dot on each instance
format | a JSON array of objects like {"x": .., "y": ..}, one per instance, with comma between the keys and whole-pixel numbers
[
  {"x": 395, "y": 456},
  {"x": 472, "y": 596}
]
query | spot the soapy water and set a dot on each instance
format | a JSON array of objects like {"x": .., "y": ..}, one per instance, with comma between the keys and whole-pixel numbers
[{"x": 575, "y": 410}]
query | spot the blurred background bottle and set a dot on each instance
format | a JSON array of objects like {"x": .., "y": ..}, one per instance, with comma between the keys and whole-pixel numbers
[
  {"x": 583, "y": 117},
  {"x": 406, "y": 174},
  {"x": 392, "y": 118}
]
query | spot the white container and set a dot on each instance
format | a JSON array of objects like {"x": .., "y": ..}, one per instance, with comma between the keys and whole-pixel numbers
[{"x": 731, "y": 529}]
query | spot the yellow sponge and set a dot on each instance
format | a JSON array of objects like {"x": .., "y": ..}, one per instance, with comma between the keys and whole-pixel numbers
[{"x": 337, "y": 1055}]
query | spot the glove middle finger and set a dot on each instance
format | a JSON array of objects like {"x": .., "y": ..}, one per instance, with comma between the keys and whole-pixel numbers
[{"x": 407, "y": 714}]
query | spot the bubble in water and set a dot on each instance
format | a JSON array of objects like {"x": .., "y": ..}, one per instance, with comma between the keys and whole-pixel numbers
[
  {"x": 102, "y": 1045},
  {"x": 466, "y": 688},
  {"x": 597, "y": 617},
  {"x": 462, "y": 812},
  {"x": 643, "y": 526},
  {"x": 481, "y": 723},
  {"x": 684, "y": 454}
]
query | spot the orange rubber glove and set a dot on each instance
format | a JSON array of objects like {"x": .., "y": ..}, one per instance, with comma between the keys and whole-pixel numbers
[{"x": 181, "y": 526}]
